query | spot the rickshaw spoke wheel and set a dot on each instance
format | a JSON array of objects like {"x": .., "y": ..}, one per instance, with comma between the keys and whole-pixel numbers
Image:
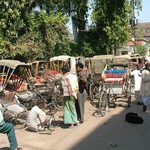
[
  {"x": 103, "y": 103},
  {"x": 129, "y": 101},
  {"x": 91, "y": 91},
  {"x": 128, "y": 93},
  {"x": 97, "y": 113},
  {"x": 58, "y": 101}
]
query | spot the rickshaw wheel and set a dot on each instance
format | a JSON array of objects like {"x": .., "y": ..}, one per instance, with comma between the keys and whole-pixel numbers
[
  {"x": 58, "y": 101},
  {"x": 103, "y": 103},
  {"x": 129, "y": 101},
  {"x": 91, "y": 92},
  {"x": 97, "y": 113},
  {"x": 128, "y": 94}
]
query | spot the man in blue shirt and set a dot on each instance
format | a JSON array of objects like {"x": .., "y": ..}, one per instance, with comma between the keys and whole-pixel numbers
[{"x": 8, "y": 128}]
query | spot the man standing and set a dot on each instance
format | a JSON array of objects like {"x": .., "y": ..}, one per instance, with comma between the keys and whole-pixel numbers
[
  {"x": 82, "y": 95},
  {"x": 137, "y": 84},
  {"x": 70, "y": 88},
  {"x": 145, "y": 86},
  {"x": 8, "y": 128}
]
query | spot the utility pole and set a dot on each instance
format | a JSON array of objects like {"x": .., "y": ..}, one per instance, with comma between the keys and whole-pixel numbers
[
  {"x": 133, "y": 25},
  {"x": 73, "y": 20}
]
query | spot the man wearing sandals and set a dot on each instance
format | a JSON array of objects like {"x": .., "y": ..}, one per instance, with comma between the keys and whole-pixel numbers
[
  {"x": 36, "y": 119},
  {"x": 8, "y": 128}
]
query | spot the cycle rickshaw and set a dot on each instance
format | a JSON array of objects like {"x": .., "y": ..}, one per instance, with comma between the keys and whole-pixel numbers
[
  {"x": 98, "y": 65},
  {"x": 13, "y": 75},
  {"x": 56, "y": 63},
  {"x": 116, "y": 83}
]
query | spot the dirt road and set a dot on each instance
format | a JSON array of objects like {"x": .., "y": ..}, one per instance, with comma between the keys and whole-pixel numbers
[{"x": 110, "y": 132}]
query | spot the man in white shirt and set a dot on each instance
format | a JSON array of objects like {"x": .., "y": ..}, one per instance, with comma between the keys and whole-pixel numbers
[
  {"x": 74, "y": 84},
  {"x": 8, "y": 128},
  {"x": 36, "y": 119},
  {"x": 137, "y": 84}
]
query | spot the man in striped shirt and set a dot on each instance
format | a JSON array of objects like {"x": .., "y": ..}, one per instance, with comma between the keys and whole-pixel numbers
[{"x": 70, "y": 88}]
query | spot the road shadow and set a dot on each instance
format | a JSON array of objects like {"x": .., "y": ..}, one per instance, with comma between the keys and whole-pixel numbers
[{"x": 117, "y": 134}]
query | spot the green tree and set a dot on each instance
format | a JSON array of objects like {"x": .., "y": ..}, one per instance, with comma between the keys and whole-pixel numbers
[
  {"x": 141, "y": 50},
  {"x": 10, "y": 19},
  {"x": 47, "y": 36},
  {"x": 32, "y": 33},
  {"x": 112, "y": 23},
  {"x": 140, "y": 31}
]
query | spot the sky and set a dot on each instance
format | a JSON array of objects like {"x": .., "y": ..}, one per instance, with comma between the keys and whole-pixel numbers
[{"x": 144, "y": 15}]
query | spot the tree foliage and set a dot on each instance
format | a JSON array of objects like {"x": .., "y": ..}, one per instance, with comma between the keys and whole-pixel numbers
[
  {"x": 141, "y": 50},
  {"x": 32, "y": 33},
  {"x": 112, "y": 23},
  {"x": 47, "y": 36},
  {"x": 36, "y": 29},
  {"x": 11, "y": 22},
  {"x": 139, "y": 31}
]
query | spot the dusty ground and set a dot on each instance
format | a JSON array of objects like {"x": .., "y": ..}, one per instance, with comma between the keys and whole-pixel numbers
[{"x": 96, "y": 133}]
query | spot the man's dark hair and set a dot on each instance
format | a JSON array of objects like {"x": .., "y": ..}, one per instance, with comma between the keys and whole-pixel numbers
[
  {"x": 65, "y": 69},
  {"x": 79, "y": 64},
  {"x": 40, "y": 101}
]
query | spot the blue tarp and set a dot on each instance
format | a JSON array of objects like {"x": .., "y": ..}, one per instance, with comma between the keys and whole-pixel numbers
[{"x": 115, "y": 71}]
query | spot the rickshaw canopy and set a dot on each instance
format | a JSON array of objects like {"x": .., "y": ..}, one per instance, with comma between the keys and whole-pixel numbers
[
  {"x": 13, "y": 74},
  {"x": 59, "y": 61},
  {"x": 123, "y": 59},
  {"x": 12, "y": 63},
  {"x": 99, "y": 62}
]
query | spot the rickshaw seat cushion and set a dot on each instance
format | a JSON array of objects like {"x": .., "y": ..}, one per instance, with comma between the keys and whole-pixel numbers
[
  {"x": 23, "y": 87},
  {"x": 40, "y": 80},
  {"x": 119, "y": 80},
  {"x": 8, "y": 96}
]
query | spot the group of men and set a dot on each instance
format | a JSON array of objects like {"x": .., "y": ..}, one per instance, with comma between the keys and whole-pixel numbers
[
  {"x": 74, "y": 96},
  {"x": 142, "y": 85}
]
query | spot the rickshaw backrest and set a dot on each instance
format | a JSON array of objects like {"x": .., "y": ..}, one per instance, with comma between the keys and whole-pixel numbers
[{"x": 114, "y": 73}]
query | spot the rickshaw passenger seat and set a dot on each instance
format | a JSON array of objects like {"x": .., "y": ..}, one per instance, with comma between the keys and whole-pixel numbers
[{"x": 114, "y": 75}]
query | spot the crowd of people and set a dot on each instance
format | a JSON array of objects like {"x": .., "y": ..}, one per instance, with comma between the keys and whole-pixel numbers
[{"x": 74, "y": 95}]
